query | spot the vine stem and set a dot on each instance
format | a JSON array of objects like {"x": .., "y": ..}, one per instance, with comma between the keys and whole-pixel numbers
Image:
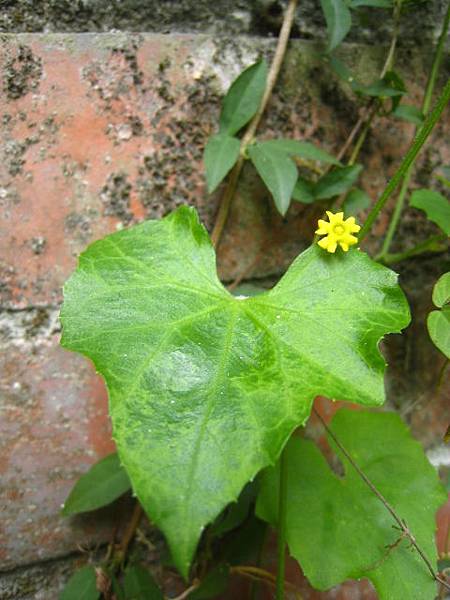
[
  {"x": 400, "y": 522},
  {"x": 282, "y": 523},
  {"x": 249, "y": 134},
  {"x": 428, "y": 244},
  {"x": 408, "y": 160},
  {"x": 425, "y": 109}
]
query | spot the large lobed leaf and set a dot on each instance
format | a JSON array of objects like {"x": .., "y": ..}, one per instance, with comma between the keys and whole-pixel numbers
[
  {"x": 341, "y": 519},
  {"x": 206, "y": 388}
]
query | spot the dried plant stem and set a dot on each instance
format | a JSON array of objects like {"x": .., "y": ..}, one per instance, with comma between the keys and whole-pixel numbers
[
  {"x": 400, "y": 522},
  {"x": 131, "y": 528},
  {"x": 249, "y": 134}
]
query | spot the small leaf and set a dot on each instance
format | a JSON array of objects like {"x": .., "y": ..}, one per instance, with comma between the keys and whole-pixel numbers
[
  {"x": 435, "y": 205},
  {"x": 338, "y": 19},
  {"x": 140, "y": 585},
  {"x": 81, "y": 586},
  {"x": 102, "y": 484},
  {"x": 336, "y": 182},
  {"x": 303, "y": 191},
  {"x": 441, "y": 291},
  {"x": 302, "y": 149},
  {"x": 343, "y": 72},
  {"x": 278, "y": 172},
  {"x": 190, "y": 368},
  {"x": 355, "y": 202},
  {"x": 221, "y": 153},
  {"x": 438, "y": 323},
  {"x": 409, "y": 113},
  {"x": 391, "y": 86},
  {"x": 373, "y": 3},
  {"x": 243, "y": 98},
  {"x": 248, "y": 290},
  {"x": 214, "y": 584},
  {"x": 347, "y": 522}
]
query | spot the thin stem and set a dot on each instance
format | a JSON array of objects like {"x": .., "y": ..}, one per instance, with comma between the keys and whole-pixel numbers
[
  {"x": 131, "y": 528},
  {"x": 400, "y": 522},
  {"x": 409, "y": 158},
  {"x": 362, "y": 137},
  {"x": 230, "y": 190},
  {"x": 425, "y": 109},
  {"x": 282, "y": 514},
  {"x": 424, "y": 246}
]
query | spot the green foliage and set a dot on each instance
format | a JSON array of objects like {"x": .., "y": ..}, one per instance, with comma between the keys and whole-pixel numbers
[
  {"x": 435, "y": 205},
  {"x": 300, "y": 149},
  {"x": 214, "y": 584},
  {"x": 336, "y": 182},
  {"x": 338, "y": 19},
  {"x": 355, "y": 202},
  {"x": 102, "y": 484},
  {"x": 235, "y": 513},
  {"x": 441, "y": 291},
  {"x": 221, "y": 152},
  {"x": 139, "y": 585},
  {"x": 438, "y": 321},
  {"x": 206, "y": 388},
  {"x": 409, "y": 113},
  {"x": 303, "y": 191},
  {"x": 81, "y": 586},
  {"x": 243, "y": 98},
  {"x": 278, "y": 172},
  {"x": 338, "y": 529},
  {"x": 373, "y": 3}
]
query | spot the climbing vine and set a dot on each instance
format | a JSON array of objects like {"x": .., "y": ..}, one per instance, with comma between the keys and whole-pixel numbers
[{"x": 210, "y": 390}]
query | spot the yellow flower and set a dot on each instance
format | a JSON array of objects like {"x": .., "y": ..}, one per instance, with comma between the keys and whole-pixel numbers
[{"x": 337, "y": 231}]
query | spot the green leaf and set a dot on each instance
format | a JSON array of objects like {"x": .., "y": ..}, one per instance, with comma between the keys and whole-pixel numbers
[
  {"x": 391, "y": 86},
  {"x": 102, "y": 484},
  {"x": 441, "y": 290},
  {"x": 338, "y": 19},
  {"x": 140, "y": 585},
  {"x": 438, "y": 323},
  {"x": 373, "y": 3},
  {"x": 347, "y": 523},
  {"x": 214, "y": 584},
  {"x": 302, "y": 149},
  {"x": 435, "y": 205},
  {"x": 355, "y": 202},
  {"x": 247, "y": 289},
  {"x": 243, "y": 98},
  {"x": 205, "y": 388},
  {"x": 221, "y": 153},
  {"x": 81, "y": 586},
  {"x": 303, "y": 191},
  {"x": 278, "y": 172},
  {"x": 409, "y": 113},
  {"x": 235, "y": 513},
  {"x": 336, "y": 182}
]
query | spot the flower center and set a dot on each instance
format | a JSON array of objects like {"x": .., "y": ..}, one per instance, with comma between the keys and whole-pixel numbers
[{"x": 338, "y": 229}]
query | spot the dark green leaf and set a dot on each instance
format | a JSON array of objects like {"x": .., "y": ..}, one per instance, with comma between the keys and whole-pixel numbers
[
  {"x": 81, "y": 586},
  {"x": 355, "y": 202},
  {"x": 243, "y": 98},
  {"x": 391, "y": 86},
  {"x": 409, "y": 113},
  {"x": 140, "y": 585},
  {"x": 302, "y": 149},
  {"x": 214, "y": 584},
  {"x": 278, "y": 172},
  {"x": 441, "y": 291},
  {"x": 190, "y": 369},
  {"x": 336, "y": 182},
  {"x": 438, "y": 323},
  {"x": 338, "y": 19},
  {"x": 221, "y": 153},
  {"x": 235, "y": 513},
  {"x": 343, "y": 72},
  {"x": 117, "y": 589},
  {"x": 341, "y": 519},
  {"x": 244, "y": 545},
  {"x": 303, "y": 191},
  {"x": 102, "y": 484},
  {"x": 373, "y": 3},
  {"x": 435, "y": 205}
]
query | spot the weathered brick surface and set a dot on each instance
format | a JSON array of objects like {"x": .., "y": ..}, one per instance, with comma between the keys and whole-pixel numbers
[{"x": 101, "y": 131}]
